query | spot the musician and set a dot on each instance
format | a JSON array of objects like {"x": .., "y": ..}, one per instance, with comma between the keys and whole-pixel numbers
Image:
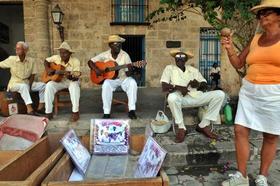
[
  {"x": 187, "y": 88},
  {"x": 127, "y": 83},
  {"x": 70, "y": 81},
  {"x": 23, "y": 70}
]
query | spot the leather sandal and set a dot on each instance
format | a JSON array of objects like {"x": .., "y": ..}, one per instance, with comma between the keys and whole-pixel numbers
[
  {"x": 75, "y": 116},
  {"x": 206, "y": 131}
]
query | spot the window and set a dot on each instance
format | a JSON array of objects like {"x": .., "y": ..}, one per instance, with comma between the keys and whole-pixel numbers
[
  {"x": 129, "y": 11},
  {"x": 210, "y": 51}
]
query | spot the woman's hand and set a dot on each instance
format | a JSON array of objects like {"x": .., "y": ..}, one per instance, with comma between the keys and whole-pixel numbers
[{"x": 226, "y": 42}]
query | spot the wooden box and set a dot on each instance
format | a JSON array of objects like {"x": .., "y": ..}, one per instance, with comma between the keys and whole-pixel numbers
[
  {"x": 31, "y": 166},
  {"x": 61, "y": 172}
]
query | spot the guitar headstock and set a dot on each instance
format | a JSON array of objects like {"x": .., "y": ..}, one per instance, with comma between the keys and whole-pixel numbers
[{"x": 139, "y": 64}]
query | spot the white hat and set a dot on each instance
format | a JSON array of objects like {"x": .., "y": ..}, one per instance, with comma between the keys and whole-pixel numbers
[
  {"x": 115, "y": 38},
  {"x": 173, "y": 53},
  {"x": 266, "y": 4},
  {"x": 65, "y": 46}
]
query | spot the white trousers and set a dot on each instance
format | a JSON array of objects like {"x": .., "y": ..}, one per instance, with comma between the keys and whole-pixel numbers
[
  {"x": 52, "y": 87},
  {"x": 24, "y": 90},
  {"x": 128, "y": 85},
  {"x": 213, "y": 99}
]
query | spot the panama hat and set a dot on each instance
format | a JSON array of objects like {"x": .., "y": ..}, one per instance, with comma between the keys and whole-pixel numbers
[
  {"x": 266, "y": 4},
  {"x": 115, "y": 38},
  {"x": 65, "y": 46},
  {"x": 173, "y": 53}
]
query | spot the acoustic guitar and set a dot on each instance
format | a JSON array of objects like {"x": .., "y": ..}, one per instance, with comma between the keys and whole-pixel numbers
[
  {"x": 59, "y": 73},
  {"x": 109, "y": 70}
]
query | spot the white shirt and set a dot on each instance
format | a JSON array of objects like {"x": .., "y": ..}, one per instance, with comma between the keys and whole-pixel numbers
[
  {"x": 122, "y": 59},
  {"x": 172, "y": 74}
]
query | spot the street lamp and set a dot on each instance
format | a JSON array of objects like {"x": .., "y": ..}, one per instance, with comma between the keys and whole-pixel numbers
[{"x": 57, "y": 16}]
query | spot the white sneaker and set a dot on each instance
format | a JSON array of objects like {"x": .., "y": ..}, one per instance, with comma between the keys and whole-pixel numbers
[
  {"x": 261, "y": 181},
  {"x": 236, "y": 179}
]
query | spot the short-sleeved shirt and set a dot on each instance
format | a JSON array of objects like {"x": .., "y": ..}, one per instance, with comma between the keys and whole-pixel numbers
[
  {"x": 72, "y": 65},
  {"x": 122, "y": 59},
  {"x": 172, "y": 74},
  {"x": 215, "y": 70},
  {"x": 20, "y": 71}
]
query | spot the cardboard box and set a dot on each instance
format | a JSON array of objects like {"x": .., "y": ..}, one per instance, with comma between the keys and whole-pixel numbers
[
  {"x": 60, "y": 174},
  {"x": 31, "y": 166}
]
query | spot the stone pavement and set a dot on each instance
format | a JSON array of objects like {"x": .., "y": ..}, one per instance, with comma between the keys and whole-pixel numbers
[{"x": 196, "y": 161}]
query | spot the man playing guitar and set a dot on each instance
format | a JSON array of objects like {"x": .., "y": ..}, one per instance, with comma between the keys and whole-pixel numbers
[
  {"x": 128, "y": 84},
  {"x": 71, "y": 74}
]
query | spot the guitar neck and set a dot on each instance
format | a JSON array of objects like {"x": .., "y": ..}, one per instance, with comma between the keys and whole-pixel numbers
[{"x": 119, "y": 67}]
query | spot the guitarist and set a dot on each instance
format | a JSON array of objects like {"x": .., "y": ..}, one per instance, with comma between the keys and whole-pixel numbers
[
  {"x": 186, "y": 87},
  {"x": 71, "y": 82},
  {"x": 23, "y": 72},
  {"x": 127, "y": 83}
]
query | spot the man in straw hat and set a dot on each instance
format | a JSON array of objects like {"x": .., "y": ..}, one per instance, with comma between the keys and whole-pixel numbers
[
  {"x": 259, "y": 100},
  {"x": 23, "y": 70},
  {"x": 128, "y": 84},
  {"x": 70, "y": 80},
  {"x": 186, "y": 87}
]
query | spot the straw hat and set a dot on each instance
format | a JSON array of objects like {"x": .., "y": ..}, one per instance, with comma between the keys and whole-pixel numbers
[
  {"x": 173, "y": 53},
  {"x": 266, "y": 4},
  {"x": 115, "y": 38},
  {"x": 65, "y": 46}
]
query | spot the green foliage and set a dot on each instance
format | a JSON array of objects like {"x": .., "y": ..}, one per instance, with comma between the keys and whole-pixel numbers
[{"x": 234, "y": 14}]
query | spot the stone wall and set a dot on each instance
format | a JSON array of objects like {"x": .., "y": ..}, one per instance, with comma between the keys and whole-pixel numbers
[{"x": 87, "y": 27}]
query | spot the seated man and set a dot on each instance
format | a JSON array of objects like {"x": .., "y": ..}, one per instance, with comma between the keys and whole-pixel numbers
[
  {"x": 128, "y": 84},
  {"x": 23, "y": 70},
  {"x": 186, "y": 87},
  {"x": 70, "y": 80}
]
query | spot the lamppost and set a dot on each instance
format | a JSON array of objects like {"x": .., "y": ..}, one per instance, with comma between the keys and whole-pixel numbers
[{"x": 57, "y": 16}]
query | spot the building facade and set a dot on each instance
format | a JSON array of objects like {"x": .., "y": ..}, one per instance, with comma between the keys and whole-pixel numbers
[{"x": 88, "y": 23}]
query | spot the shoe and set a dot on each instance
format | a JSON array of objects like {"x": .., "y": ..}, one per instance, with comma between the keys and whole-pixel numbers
[
  {"x": 180, "y": 137},
  {"x": 49, "y": 116},
  {"x": 261, "y": 181},
  {"x": 33, "y": 113},
  {"x": 41, "y": 111},
  {"x": 132, "y": 115},
  {"x": 106, "y": 116},
  {"x": 207, "y": 132},
  {"x": 236, "y": 179},
  {"x": 75, "y": 116}
]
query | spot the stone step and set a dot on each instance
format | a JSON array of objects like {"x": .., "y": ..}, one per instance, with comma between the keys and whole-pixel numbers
[
  {"x": 198, "y": 150},
  {"x": 82, "y": 126}
]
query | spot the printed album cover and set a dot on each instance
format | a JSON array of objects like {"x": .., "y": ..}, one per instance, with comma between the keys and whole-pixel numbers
[
  {"x": 109, "y": 136},
  {"x": 78, "y": 153},
  {"x": 150, "y": 160}
]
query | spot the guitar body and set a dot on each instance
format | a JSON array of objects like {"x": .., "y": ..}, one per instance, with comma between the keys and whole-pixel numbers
[
  {"x": 102, "y": 66},
  {"x": 56, "y": 77}
]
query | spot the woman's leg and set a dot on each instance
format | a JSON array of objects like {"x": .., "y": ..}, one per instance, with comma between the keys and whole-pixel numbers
[
  {"x": 268, "y": 152},
  {"x": 242, "y": 148}
]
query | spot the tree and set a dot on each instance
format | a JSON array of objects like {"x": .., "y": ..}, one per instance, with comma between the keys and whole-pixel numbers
[{"x": 234, "y": 14}]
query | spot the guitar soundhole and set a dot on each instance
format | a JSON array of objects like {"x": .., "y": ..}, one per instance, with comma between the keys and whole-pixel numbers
[{"x": 106, "y": 70}]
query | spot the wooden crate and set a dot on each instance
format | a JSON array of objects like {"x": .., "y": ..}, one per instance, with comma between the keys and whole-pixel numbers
[
  {"x": 60, "y": 174},
  {"x": 31, "y": 166}
]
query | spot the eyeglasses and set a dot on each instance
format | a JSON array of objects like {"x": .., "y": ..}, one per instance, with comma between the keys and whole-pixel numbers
[
  {"x": 180, "y": 56},
  {"x": 264, "y": 13}
]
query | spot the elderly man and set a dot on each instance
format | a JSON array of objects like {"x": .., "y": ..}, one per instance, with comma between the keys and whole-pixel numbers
[
  {"x": 23, "y": 70},
  {"x": 128, "y": 84},
  {"x": 70, "y": 80},
  {"x": 186, "y": 87}
]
